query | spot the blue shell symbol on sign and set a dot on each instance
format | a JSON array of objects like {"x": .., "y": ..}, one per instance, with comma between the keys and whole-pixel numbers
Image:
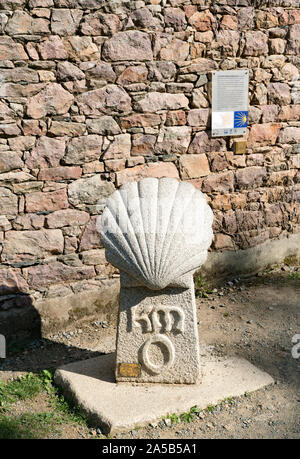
[{"x": 240, "y": 119}]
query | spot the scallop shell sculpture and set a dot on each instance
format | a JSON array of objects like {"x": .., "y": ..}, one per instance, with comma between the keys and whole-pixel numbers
[{"x": 156, "y": 231}]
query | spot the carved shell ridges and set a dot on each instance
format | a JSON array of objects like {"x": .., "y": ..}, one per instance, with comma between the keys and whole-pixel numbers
[{"x": 157, "y": 230}]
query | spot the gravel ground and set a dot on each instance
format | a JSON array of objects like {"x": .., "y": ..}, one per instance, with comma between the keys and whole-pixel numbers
[{"x": 254, "y": 318}]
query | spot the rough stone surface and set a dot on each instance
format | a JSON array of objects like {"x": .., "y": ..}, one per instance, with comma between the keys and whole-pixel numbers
[
  {"x": 10, "y": 161},
  {"x": 128, "y": 46},
  {"x": 175, "y": 50},
  {"x": 47, "y": 153},
  {"x": 175, "y": 139},
  {"x": 21, "y": 247},
  {"x": 264, "y": 134},
  {"x": 101, "y": 24},
  {"x": 90, "y": 238},
  {"x": 11, "y": 281},
  {"x": 60, "y": 173},
  {"x": 154, "y": 102},
  {"x": 53, "y": 48},
  {"x": 54, "y": 100},
  {"x": 154, "y": 260},
  {"x": 81, "y": 48},
  {"x": 111, "y": 100},
  {"x": 89, "y": 191},
  {"x": 194, "y": 166},
  {"x": 10, "y": 50},
  {"x": 147, "y": 170},
  {"x": 256, "y": 43},
  {"x": 65, "y": 22},
  {"x": 55, "y": 273},
  {"x": 47, "y": 201},
  {"x": 290, "y": 135},
  {"x": 91, "y": 384},
  {"x": 83, "y": 149},
  {"x": 120, "y": 147},
  {"x": 8, "y": 203},
  {"x": 66, "y": 217}
]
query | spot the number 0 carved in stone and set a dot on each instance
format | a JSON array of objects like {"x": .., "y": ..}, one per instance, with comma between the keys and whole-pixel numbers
[{"x": 169, "y": 347}]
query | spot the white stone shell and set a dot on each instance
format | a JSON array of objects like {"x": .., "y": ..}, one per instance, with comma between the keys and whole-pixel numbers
[{"x": 157, "y": 230}]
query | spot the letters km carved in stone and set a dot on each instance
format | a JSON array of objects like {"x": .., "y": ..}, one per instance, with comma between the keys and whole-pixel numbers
[{"x": 157, "y": 232}]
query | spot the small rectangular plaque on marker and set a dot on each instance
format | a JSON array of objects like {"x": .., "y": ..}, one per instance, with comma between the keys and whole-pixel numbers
[{"x": 130, "y": 370}]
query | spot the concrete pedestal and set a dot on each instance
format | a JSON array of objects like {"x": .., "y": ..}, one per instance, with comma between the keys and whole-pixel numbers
[{"x": 121, "y": 406}]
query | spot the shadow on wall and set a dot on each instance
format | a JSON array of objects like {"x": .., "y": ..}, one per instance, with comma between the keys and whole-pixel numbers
[
  {"x": 26, "y": 349},
  {"x": 18, "y": 316}
]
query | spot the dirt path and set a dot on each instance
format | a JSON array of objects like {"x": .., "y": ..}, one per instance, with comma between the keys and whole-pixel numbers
[{"x": 255, "y": 319}]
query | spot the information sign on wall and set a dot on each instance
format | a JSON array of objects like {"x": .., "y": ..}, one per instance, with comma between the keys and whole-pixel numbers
[{"x": 230, "y": 102}]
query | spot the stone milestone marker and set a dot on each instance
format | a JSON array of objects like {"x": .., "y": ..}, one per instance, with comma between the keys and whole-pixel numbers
[{"x": 157, "y": 232}]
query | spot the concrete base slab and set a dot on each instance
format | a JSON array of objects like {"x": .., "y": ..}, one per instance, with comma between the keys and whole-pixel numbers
[{"x": 122, "y": 406}]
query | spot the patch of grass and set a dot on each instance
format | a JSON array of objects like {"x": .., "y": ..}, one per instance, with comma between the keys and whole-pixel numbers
[
  {"x": 67, "y": 409},
  {"x": 189, "y": 416},
  {"x": 28, "y": 425},
  {"x": 36, "y": 425},
  {"x": 26, "y": 386},
  {"x": 184, "y": 417},
  {"x": 174, "y": 418}
]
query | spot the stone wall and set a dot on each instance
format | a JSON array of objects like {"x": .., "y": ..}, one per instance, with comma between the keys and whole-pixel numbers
[{"x": 96, "y": 93}]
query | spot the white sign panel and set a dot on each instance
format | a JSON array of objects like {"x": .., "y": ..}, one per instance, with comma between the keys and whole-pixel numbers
[{"x": 230, "y": 102}]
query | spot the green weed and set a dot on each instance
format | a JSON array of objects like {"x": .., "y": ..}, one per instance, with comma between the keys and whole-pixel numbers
[
  {"x": 202, "y": 289},
  {"x": 295, "y": 275}
]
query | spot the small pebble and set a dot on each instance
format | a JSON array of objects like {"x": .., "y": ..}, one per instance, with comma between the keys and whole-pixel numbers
[
  {"x": 153, "y": 425},
  {"x": 168, "y": 422}
]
